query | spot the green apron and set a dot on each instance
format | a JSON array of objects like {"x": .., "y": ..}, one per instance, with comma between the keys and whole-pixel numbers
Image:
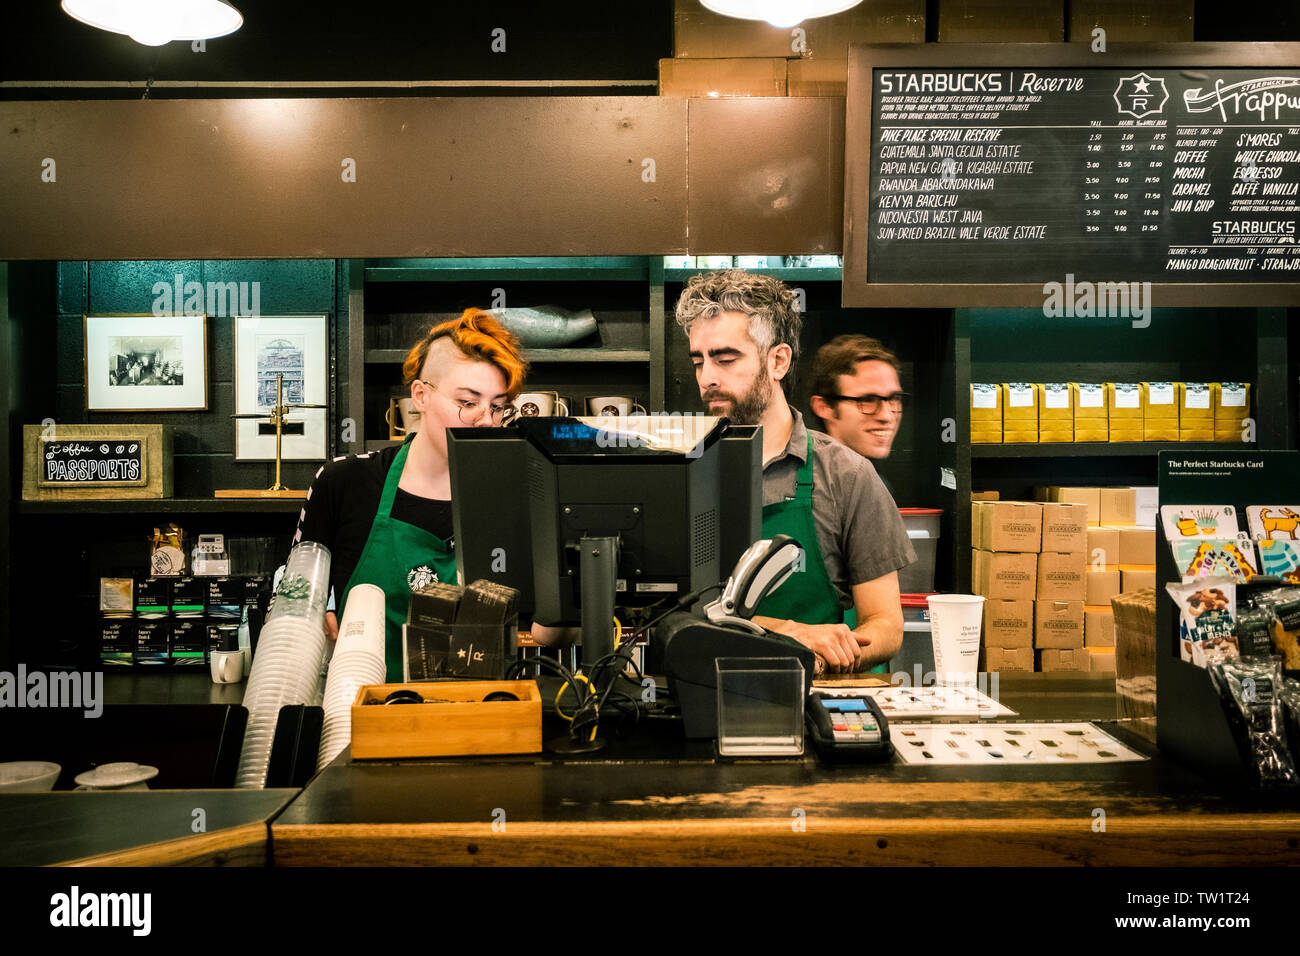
[
  {"x": 399, "y": 558},
  {"x": 808, "y": 596}
]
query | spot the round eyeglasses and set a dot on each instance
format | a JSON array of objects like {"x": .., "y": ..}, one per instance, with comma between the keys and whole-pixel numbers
[
  {"x": 870, "y": 404},
  {"x": 471, "y": 412}
]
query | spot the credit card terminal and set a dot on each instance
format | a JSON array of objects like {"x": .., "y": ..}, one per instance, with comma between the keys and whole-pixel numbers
[{"x": 848, "y": 728}]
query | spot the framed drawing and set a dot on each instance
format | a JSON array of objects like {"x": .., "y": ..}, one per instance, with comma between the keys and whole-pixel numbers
[
  {"x": 146, "y": 363},
  {"x": 297, "y": 348}
]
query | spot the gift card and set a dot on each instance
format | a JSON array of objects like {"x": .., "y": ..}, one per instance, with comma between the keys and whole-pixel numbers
[
  {"x": 1223, "y": 557},
  {"x": 1274, "y": 522},
  {"x": 1281, "y": 558},
  {"x": 1199, "y": 521}
]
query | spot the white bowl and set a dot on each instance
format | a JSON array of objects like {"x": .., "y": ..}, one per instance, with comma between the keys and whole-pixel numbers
[{"x": 28, "y": 776}]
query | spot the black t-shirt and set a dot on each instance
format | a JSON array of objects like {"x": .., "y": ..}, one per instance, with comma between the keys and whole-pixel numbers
[{"x": 341, "y": 508}]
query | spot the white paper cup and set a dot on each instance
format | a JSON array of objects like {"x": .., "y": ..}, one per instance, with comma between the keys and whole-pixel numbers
[{"x": 955, "y": 621}]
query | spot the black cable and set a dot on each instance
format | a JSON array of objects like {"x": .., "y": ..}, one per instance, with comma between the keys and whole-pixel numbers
[
  {"x": 683, "y": 602},
  {"x": 581, "y": 692}
]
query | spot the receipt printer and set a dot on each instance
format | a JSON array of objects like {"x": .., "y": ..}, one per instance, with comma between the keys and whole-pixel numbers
[{"x": 686, "y": 649}]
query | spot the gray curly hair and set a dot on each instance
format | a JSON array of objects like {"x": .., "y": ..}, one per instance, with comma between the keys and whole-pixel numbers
[{"x": 769, "y": 303}]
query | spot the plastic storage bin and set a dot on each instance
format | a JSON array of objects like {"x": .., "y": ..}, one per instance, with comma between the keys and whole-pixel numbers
[
  {"x": 923, "y": 531},
  {"x": 918, "y": 645}
]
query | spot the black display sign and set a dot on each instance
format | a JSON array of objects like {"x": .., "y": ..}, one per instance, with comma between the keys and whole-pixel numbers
[
  {"x": 119, "y": 461},
  {"x": 1079, "y": 174}
]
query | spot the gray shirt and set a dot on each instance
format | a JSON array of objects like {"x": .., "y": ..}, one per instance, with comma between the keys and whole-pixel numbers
[{"x": 859, "y": 529}]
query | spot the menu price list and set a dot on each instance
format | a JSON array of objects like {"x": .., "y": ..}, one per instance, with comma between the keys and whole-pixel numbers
[{"x": 1109, "y": 174}]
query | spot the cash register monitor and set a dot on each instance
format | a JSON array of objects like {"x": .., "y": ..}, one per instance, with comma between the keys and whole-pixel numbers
[{"x": 680, "y": 495}]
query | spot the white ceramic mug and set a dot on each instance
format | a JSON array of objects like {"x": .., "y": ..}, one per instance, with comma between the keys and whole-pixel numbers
[
  {"x": 404, "y": 407},
  {"x": 541, "y": 405},
  {"x": 616, "y": 406},
  {"x": 227, "y": 666}
]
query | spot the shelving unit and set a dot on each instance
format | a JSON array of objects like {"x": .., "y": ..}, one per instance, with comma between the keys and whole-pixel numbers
[
  {"x": 819, "y": 274},
  {"x": 1095, "y": 449},
  {"x": 164, "y": 506},
  {"x": 1100, "y": 353},
  {"x": 534, "y": 356},
  {"x": 942, "y": 350},
  {"x": 628, "y": 359},
  {"x": 535, "y": 269}
]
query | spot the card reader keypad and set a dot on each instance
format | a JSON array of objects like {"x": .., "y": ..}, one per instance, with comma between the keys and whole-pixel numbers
[{"x": 851, "y": 721}]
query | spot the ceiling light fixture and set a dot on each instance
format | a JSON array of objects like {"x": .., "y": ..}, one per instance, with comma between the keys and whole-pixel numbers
[
  {"x": 155, "y": 22},
  {"x": 779, "y": 13}
]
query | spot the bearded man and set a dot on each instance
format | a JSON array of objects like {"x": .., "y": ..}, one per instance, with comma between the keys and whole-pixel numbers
[{"x": 744, "y": 342}]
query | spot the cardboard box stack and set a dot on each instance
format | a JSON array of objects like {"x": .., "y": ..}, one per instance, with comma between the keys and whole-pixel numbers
[
  {"x": 1231, "y": 401},
  {"x": 1062, "y": 566},
  {"x": 1030, "y": 563},
  {"x": 1007, "y": 536},
  {"x": 1119, "y": 555},
  {"x": 816, "y": 53}
]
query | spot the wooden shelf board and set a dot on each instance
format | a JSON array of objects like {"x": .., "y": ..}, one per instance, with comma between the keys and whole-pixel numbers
[
  {"x": 1099, "y": 449},
  {"x": 397, "y": 356}
]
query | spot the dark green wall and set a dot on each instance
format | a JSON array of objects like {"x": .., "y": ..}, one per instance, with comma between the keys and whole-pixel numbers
[{"x": 204, "y": 442}]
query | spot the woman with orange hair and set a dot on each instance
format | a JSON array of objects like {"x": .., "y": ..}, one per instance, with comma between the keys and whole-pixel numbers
[{"x": 386, "y": 516}]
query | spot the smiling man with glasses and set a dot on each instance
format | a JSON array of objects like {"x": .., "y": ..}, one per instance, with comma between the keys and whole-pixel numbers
[
  {"x": 857, "y": 395},
  {"x": 386, "y": 516}
]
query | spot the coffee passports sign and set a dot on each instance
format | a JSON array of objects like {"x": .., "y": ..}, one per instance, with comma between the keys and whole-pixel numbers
[
  {"x": 982, "y": 174},
  {"x": 71, "y": 462}
]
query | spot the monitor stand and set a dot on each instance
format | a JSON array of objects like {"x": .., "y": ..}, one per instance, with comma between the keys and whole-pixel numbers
[
  {"x": 598, "y": 570},
  {"x": 598, "y": 567}
]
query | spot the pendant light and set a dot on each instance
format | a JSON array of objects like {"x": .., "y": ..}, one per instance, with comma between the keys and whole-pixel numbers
[
  {"x": 155, "y": 22},
  {"x": 779, "y": 13}
]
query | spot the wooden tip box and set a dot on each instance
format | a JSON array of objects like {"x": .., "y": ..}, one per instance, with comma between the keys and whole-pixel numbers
[{"x": 467, "y": 726}]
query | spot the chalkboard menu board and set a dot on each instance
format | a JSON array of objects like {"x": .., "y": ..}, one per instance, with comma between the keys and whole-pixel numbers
[
  {"x": 119, "y": 462},
  {"x": 980, "y": 174}
]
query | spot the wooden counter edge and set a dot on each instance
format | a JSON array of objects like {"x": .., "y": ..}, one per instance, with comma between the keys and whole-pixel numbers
[
  {"x": 1185, "y": 840},
  {"x": 243, "y": 845}
]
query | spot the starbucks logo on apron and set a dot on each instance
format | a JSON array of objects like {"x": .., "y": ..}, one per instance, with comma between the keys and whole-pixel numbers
[{"x": 421, "y": 577}]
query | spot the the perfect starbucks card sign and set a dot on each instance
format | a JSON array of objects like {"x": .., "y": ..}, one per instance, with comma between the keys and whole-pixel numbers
[
  {"x": 977, "y": 174},
  {"x": 68, "y": 462}
]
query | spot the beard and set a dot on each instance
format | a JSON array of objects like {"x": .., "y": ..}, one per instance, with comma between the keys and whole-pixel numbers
[{"x": 748, "y": 408}]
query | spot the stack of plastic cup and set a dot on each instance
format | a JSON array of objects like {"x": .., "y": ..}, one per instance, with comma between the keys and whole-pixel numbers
[
  {"x": 358, "y": 660},
  {"x": 286, "y": 667}
]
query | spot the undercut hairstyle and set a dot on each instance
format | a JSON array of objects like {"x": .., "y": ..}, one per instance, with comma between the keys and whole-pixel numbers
[
  {"x": 769, "y": 303},
  {"x": 840, "y": 356},
  {"x": 479, "y": 337}
]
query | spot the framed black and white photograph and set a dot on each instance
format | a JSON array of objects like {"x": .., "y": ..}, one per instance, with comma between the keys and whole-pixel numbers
[
  {"x": 146, "y": 363},
  {"x": 290, "y": 352}
]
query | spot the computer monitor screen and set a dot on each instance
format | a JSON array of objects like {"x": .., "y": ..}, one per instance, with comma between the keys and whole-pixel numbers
[{"x": 682, "y": 494}]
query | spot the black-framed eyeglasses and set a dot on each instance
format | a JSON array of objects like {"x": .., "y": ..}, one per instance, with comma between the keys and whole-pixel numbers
[
  {"x": 870, "y": 404},
  {"x": 470, "y": 411}
]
